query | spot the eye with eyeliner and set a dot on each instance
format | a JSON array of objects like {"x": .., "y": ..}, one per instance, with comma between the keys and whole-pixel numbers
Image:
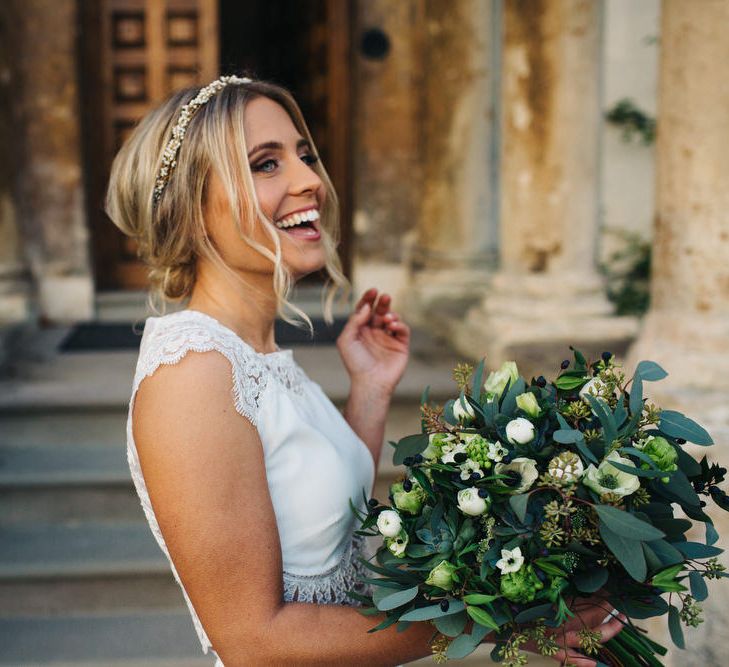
[{"x": 262, "y": 166}]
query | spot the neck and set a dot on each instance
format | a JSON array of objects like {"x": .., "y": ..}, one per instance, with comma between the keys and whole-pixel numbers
[{"x": 248, "y": 310}]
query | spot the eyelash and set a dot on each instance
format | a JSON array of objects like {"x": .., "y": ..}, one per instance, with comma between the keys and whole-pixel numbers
[{"x": 309, "y": 159}]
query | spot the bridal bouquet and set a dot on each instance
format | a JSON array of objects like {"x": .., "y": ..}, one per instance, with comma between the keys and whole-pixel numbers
[{"x": 519, "y": 499}]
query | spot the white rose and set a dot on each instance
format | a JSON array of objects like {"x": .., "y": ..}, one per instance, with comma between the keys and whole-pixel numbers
[
  {"x": 469, "y": 502},
  {"x": 463, "y": 411},
  {"x": 520, "y": 431},
  {"x": 389, "y": 523}
]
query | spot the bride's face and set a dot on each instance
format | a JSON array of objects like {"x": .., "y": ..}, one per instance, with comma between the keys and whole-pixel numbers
[{"x": 289, "y": 191}]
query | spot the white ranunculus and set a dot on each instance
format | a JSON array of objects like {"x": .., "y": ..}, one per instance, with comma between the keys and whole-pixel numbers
[
  {"x": 450, "y": 450},
  {"x": 463, "y": 411},
  {"x": 389, "y": 523},
  {"x": 609, "y": 479},
  {"x": 511, "y": 560},
  {"x": 469, "y": 502},
  {"x": 496, "y": 381},
  {"x": 520, "y": 431}
]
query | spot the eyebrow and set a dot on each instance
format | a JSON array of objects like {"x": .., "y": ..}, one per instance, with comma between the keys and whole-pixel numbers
[{"x": 277, "y": 145}]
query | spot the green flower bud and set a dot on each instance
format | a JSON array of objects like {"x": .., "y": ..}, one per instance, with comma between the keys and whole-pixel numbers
[
  {"x": 521, "y": 586},
  {"x": 528, "y": 403},
  {"x": 408, "y": 501},
  {"x": 442, "y": 575},
  {"x": 663, "y": 454}
]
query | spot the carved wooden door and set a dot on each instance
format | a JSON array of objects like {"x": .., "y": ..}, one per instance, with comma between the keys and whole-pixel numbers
[{"x": 135, "y": 52}]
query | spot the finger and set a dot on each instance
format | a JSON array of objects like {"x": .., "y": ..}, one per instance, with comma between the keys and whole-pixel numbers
[
  {"x": 610, "y": 629},
  {"x": 380, "y": 310},
  {"x": 400, "y": 330},
  {"x": 369, "y": 296},
  {"x": 356, "y": 320}
]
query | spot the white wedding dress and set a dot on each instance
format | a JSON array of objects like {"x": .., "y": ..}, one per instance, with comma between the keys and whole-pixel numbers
[{"x": 314, "y": 461}]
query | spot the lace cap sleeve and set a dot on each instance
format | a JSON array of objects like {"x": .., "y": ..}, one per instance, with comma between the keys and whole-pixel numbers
[{"x": 169, "y": 338}]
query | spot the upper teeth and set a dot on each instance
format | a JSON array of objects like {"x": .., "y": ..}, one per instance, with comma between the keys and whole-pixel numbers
[{"x": 298, "y": 218}]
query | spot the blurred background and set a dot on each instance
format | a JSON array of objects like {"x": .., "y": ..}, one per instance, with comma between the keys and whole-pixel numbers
[{"x": 520, "y": 174}]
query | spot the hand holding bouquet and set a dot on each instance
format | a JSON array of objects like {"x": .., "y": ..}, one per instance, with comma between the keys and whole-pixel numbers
[{"x": 521, "y": 505}]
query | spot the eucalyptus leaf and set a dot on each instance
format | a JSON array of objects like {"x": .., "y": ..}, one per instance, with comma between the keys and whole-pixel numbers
[
  {"x": 586, "y": 451},
  {"x": 451, "y": 625},
  {"x": 620, "y": 414},
  {"x": 667, "y": 553},
  {"x": 697, "y": 550},
  {"x": 409, "y": 446},
  {"x": 687, "y": 463},
  {"x": 602, "y": 410},
  {"x": 636, "y": 397},
  {"x": 626, "y": 524},
  {"x": 639, "y": 472},
  {"x": 677, "y": 425},
  {"x": 591, "y": 580},
  {"x": 479, "y": 598},
  {"x": 650, "y": 371},
  {"x": 628, "y": 552},
  {"x": 461, "y": 647},
  {"x": 533, "y": 613},
  {"x": 394, "y": 600},
  {"x": 711, "y": 535},
  {"x": 674, "y": 627},
  {"x": 390, "y": 620},
  {"x": 698, "y": 586},
  {"x": 567, "y": 436},
  {"x": 508, "y": 405},
  {"x": 519, "y": 504},
  {"x": 433, "y": 611},
  {"x": 679, "y": 485}
]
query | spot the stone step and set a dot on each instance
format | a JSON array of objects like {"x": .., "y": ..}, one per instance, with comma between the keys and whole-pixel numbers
[
  {"x": 83, "y": 566},
  {"x": 141, "y": 638}
]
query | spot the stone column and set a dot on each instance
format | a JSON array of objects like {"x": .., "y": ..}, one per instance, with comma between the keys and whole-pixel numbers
[
  {"x": 547, "y": 292},
  {"x": 48, "y": 184},
  {"x": 687, "y": 327},
  {"x": 14, "y": 297},
  {"x": 455, "y": 239},
  {"x": 387, "y": 70}
]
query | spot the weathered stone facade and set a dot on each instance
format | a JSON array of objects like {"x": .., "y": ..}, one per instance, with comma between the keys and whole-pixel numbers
[{"x": 47, "y": 179}]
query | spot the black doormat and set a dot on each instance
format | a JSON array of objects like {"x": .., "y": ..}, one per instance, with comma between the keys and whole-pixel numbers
[{"x": 95, "y": 336}]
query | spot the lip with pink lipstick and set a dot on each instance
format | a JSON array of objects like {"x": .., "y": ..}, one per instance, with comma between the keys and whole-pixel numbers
[{"x": 301, "y": 224}]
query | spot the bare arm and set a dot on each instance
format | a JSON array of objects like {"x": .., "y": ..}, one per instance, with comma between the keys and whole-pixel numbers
[
  {"x": 366, "y": 412},
  {"x": 204, "y": 469}
]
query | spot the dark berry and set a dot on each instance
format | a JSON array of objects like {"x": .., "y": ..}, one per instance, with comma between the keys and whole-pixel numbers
[
  {"x": 408, "y": 461},
  {"x": 606, "y": 356},
  {"x": 460, "y": 457},
  {"x": 407, "y": 485},
  {"x": 680, "y": 441},
  {"x": 541, "y": 381},
  {"x": 483, "y": 493},
  {"x": 565, "y": 364},
  {"x": 373, "y": 502},
  {"x": 702, "y": 503},
  {"x": 475, "y": 476},
  {"x": 506, "y": 459},
  {"x": 418, "y": 458},
  {"x": 444, "y": 604}
]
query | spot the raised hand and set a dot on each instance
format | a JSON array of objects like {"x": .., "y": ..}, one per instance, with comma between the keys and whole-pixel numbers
[{"x": 375, "y": 343}]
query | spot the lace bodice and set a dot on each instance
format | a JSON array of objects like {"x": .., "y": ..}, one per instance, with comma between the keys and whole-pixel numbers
[{"x": 314, "y": 462}]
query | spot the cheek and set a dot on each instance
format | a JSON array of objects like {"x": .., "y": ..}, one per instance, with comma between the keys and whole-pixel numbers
[{"x": 268, "y": 197}]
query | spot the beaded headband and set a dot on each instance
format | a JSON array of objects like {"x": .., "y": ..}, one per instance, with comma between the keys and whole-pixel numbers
[{"x": 169, "y": 156}]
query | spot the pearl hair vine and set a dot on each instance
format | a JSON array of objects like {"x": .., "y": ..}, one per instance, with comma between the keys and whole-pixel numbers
[{"x": 188, "y": 111}]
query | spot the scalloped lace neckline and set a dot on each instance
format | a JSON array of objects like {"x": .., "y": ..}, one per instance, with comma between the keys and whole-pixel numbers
[{"x": 276, "y": 354}]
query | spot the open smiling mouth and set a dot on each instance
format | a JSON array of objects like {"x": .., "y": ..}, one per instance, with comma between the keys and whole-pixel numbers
[{"x": 301, "y": 225}]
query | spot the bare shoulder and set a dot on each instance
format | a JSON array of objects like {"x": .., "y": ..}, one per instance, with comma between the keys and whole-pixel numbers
[{"x": 204, "y": 469}]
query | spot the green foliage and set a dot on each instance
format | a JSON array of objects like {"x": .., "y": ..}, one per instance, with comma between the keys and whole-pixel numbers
[
  {"x": 634, "y": 122},
  {"x": 627, "y": 273}
]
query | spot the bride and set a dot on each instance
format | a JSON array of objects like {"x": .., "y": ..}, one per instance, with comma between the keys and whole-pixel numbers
[{"x": 243, "y": 467}]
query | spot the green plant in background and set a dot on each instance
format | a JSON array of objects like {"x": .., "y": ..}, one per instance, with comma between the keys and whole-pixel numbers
[
  {"x": 634, "y": 121},
  {"x": 627, "y": 271}
]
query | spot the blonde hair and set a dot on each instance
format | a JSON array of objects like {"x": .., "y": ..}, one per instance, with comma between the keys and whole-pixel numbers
[{"x": 170, "y": 233}]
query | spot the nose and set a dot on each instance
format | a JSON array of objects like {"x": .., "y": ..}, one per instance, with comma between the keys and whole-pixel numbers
[{"x": 304, "y": 179}]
